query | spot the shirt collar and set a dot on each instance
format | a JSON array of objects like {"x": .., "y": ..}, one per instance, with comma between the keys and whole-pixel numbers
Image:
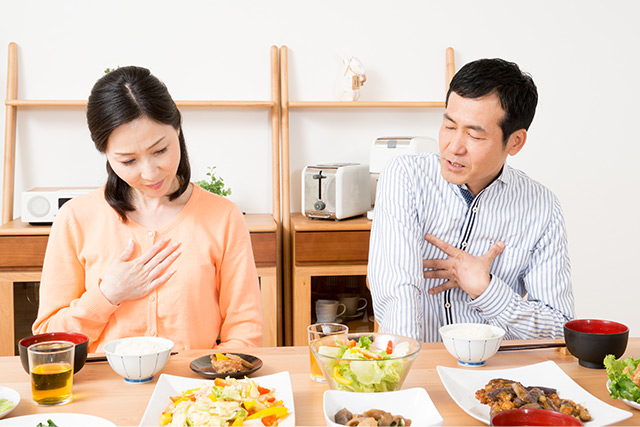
[{"x": 504, "y": 177}]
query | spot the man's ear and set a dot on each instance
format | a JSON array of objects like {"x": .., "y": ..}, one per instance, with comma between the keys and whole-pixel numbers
[{"x": 516, "y": 141}]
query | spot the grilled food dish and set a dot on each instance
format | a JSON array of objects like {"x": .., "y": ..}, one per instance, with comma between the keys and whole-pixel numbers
[
  {"x": 228, "y": 363},
  {"x": 502, "y": 395},
  {"x": 372, "y": 417}
]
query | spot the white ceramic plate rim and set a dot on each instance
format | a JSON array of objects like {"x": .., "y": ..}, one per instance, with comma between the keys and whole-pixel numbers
[
  {"x": 461, "y": 384},
  {"x": 9, "y": 394},
  {"x": 428, "y": 414},
  {"x": 171, "y": 385},
  {"x": 60, "y": 418},
  {"x": 628, "y": 402}
]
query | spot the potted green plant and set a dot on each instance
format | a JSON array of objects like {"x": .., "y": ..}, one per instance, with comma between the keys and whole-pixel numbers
[{"x": 215, "y": 184}]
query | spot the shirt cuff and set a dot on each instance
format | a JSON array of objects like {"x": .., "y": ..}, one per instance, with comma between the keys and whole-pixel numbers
[
  {"x": 97, "y": 304},
  {"x": 494, "y": 300}
]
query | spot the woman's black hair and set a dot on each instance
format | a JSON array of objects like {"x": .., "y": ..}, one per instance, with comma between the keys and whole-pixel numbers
[
  {"x": 121, "y": 96},
  {"x": 516, "y": 90}
]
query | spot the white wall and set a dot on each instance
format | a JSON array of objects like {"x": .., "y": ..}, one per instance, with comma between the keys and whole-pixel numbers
[{"x": 583, "y": 55}]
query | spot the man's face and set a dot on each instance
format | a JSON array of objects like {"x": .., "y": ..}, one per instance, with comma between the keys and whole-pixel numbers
[{"x": 470, "y": 141}]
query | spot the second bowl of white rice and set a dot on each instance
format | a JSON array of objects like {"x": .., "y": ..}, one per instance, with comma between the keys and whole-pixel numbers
[{"x": 472, "y": 343}]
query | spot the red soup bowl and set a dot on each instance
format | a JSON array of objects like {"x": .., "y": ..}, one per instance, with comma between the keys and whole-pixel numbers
[
  {"x": 533, "y": 417},
  {"x": 590, "y": 340},
  {"x": 81, "y": 342}
]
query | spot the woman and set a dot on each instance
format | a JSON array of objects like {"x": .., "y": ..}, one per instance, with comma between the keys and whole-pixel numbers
[{"x": 149, "y": 253}]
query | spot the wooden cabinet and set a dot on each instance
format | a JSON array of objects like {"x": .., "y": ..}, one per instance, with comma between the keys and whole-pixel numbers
[
  {"x": 316, "y": 247},
  {"x": 323, "y": 248}
]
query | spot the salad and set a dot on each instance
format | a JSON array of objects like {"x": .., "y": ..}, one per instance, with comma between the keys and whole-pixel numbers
[
  {"x": 354, "y": 366},
  {"x": 225, "y": 402},
  {"x": 625, "y": 377},
  {"x": 6, "y": 404}
]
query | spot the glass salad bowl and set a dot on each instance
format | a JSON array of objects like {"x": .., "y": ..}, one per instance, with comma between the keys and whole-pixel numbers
[{"x": 365, "y": 361}]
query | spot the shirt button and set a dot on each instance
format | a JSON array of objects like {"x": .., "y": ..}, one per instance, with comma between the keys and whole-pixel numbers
[
  {"x": 151, "y": 233},
  {"x": 475, "y": 209},
  {"x": 152, "y": 333},
  {"x": 152, "y": 299},
  {"x": 447, "y": 305},
  {"x": 464, "y": 244}
]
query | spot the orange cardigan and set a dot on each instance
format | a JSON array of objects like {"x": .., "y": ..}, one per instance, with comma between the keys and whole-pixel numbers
[{"x": 213, "y": 294}]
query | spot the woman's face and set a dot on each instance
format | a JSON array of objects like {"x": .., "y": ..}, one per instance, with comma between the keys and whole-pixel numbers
[{"x": 145, "y": 154}]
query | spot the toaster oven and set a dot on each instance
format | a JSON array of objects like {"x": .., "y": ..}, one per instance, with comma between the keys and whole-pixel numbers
[{"x": 335, "y": 190}]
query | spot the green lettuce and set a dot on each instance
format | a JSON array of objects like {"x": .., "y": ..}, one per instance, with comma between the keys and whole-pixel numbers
[
  {"x": 621, "y": 386},
  {"x": 367, "y": 375}
]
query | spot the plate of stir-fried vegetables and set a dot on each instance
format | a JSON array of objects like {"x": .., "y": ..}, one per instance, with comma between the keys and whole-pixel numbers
[{"x": 259, "y": 401}]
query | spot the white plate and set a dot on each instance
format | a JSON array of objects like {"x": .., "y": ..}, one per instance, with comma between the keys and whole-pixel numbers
[
  {"x": 463, "y": 383},
  {"x": 61, "y": 419},
  {"x": 412, "y": 403},
  {"x": 9, "y": 394},
  {"x": 172, "y": 385},
  {"x": 628, "y": 402}
]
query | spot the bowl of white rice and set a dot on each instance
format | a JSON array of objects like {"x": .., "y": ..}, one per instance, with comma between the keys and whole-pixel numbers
[
  {"x": 472, "y": 343},
  {"x": 138, "y": 359}
]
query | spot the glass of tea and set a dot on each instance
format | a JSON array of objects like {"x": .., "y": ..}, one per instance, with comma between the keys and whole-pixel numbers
[
  {"x": 51, "y": 368},
  {"x": 317, "y": 331}
]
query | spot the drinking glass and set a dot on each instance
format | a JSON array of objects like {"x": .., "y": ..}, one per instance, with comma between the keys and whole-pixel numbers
[
  {"x": 51, "y": 368},
  {"x": 317, "y": 331}
]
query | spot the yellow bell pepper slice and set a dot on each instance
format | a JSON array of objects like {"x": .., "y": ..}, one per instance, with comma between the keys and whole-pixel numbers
[
  {"x": 237, "y": 422},
  {"x": 249, "y": 404},
  {"x": 221, "y": 356},
  {"x": 189, "y": 392},
  {"x": 339, "y": 378},
  {"x": 166, "y": 418},
  {"x": 182, "y": 399},
  {"x": 279, "y": 411}
]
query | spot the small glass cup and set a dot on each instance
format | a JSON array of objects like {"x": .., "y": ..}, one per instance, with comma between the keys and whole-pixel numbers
[
  {"x": 317, "y": 331},
  {"x": 51, "y": 370}
]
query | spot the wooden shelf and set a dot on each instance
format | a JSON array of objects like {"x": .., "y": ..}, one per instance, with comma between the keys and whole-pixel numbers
[
  {"x": 83, "y": 103},
  {"x": 257, "y": 223},
  {"x": 366, "y": 104},
  {"x": 301, "y": 223}
]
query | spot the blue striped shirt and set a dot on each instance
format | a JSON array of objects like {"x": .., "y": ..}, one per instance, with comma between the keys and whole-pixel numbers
[{"x": 530, "y": 293}]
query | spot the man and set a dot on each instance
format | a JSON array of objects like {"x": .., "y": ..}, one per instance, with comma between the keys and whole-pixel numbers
[{"x": 463, "y": 237}]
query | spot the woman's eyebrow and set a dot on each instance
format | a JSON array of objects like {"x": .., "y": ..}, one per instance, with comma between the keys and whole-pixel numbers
[{"x": 149, "y": 148}]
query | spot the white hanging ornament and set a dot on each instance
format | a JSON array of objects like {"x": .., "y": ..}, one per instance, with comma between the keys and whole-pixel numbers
[{"x": 350, "y": 79}]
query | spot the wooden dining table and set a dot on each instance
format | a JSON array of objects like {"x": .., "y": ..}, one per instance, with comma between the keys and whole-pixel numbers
[{"x": 99, "y": 391}]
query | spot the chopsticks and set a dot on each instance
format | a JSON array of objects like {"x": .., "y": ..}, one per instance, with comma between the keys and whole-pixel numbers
[
  {"x": 515, "y": 347},
  {"x": 92, "y": 359}
]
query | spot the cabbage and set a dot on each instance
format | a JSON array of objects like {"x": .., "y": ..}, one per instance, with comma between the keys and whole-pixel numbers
[
  {"x": 368, "y": 375},
  {"x": 329, "y": 351}
]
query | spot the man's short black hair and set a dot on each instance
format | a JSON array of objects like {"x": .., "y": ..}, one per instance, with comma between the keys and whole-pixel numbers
[{"x": 516, "y": 90}]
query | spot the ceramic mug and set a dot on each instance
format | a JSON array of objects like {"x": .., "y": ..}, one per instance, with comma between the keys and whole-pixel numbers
[
  {"x": 327, "y": 310},
  {"x": 353, "y": 303}
]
